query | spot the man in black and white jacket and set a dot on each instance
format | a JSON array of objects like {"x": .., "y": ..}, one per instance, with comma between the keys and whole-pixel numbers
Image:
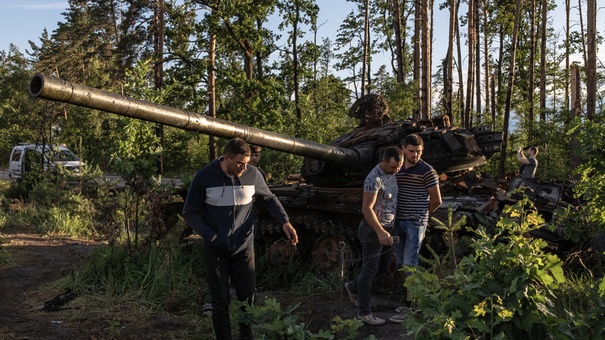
[{"x": 219, "y": 208}]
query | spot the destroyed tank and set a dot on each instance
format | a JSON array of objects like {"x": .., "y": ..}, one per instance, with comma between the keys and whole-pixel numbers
[{"x": 325, "y": 203}]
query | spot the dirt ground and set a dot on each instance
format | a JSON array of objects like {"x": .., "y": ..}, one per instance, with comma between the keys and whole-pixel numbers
[{"x": 37, "y": 261}]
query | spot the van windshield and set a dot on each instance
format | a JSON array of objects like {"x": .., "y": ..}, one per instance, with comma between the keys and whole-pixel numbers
[{"x": 63, "y": 155}]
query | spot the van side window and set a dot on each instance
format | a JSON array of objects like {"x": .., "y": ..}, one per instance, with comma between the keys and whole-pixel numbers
[{"x": 16, "y": 156}]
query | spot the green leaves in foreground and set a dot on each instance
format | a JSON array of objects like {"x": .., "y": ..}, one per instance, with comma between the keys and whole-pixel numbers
[
  {"x": 504, "y": 289},
  {"x": 269, "y": 321}
]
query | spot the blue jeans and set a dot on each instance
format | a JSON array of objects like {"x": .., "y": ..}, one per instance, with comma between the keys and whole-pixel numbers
[
  {"x": 239, "y": 269},
  {"x": 375, "y": 260},
  {"x": 411, "y": 234}
]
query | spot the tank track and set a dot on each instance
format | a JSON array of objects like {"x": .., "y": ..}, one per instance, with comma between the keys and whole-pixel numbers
[{"x": 319, "y": 223}]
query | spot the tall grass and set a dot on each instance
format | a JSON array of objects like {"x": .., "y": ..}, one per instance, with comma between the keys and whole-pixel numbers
[
  {"x": 26, "y": 216},
  {"x": 161, "y": 277},
  {"x": 5, "y": 256}
]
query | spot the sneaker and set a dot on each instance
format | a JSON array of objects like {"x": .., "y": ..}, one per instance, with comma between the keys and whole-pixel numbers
[
  {"x": 397, "y": 318},
  {"x": 400, "y": 309},
  {"x": 352, "y": 296},
  {"x": 370, "y": 319}
]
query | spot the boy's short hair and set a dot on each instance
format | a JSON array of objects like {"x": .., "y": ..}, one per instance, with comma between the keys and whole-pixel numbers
[{"x": 255, "y": 148}]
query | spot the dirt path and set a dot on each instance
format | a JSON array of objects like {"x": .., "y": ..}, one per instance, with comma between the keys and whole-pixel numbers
[
  {"x": 35, "y": 261},
  {"x": 39, "y": 260}
]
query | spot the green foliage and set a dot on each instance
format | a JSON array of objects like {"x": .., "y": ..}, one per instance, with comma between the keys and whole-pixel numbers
[
  {"x": 450, "y": 231},
  {"x": 503, "y": 290},
  {"x": 17, "y": 190},
  {"x": 591, "y": 186},
  {"x": 350, "y": 327},
  {"x": 581, "y": 302},
  {"x": 309, "y": 282},
  {"x": 586, "y": 217},
  {"x": 65, "y": 221},
  {"x": 20, "y": 118},
  {"x": 28, "y": 216},
  {"x": 269, "y": 321},
  {"x": 113, "y": 328},
  {"x": 139, "y": 149},
  {"x": 400, "y": 97},
  {"x": 49, "y": 206}
]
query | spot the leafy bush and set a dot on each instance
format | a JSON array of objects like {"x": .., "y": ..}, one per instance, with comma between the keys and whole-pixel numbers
[
  {"x": 269, "y": 321},
  {"x": 17, "y": 190},
  {"x": 503, "y": 290}
]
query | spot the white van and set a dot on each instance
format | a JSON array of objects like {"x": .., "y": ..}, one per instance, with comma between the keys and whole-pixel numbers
[{"x": 25, "y": 156}]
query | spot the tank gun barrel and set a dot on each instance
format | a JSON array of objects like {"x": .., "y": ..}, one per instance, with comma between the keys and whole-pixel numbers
[{"x": 56, "y": 89}]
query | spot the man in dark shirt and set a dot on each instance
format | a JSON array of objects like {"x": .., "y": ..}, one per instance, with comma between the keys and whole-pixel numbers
[
  {"x": 529, "y": 164},
  {"x": 218, "y": 207}
]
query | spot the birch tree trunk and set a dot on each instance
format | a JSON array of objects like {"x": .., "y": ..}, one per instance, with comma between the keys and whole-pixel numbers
[
  {"x": 417, "y": 49},
  {"x": 295, "y": 67},
  {"x": 543, "y": 28},
  {"x": 478, "y": 106},
  {"x": 509, "y": 91},
  {"x": 591, "y": 66},
  {"x": 532, "y": 70},
  {"x": 426, "y": 61},
  {"x": 460, "y": 75},
  {"x": 567, "y": 65},
  {"x": 212, "y": 147},
  {"x": 366, "y": 42},
  {"x": 471, "y": 64},
  {"x": 398, "y": 39},
  {"x": 500, "y": 61},
  {"x": 582, "y": 33},
  {"x": 449, "y": 65},
  {"x": 486, "y": 43},
  {"x": 158, "y": 69},
  {"x": 576, "y": 100},
  {"x": 493, "y": 108}
]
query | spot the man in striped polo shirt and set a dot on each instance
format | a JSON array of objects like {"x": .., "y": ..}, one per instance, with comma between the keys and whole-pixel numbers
[{"x": 418, "y": 195}]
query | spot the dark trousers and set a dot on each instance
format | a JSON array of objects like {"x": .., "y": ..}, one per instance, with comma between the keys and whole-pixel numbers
[
  {"x": 375, "y": 260},
  {"x": 237, "y": 269}
]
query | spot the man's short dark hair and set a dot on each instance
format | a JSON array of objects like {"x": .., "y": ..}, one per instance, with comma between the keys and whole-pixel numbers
[
  {"x": 392, "y": 152},
  {"x": 255, "y": 148},
  {"x": 534, "y": 149},
  {"x": 236, "y": 146},
  {"x": 412, "y": 139}
]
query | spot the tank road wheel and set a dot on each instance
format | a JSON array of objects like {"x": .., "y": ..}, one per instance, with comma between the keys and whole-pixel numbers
[
  {"x": 281, "y": 252},
  {"x": 333, "y": 255}
]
